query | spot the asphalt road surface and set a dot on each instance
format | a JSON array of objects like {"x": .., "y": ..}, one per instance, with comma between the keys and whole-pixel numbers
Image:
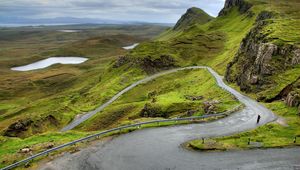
[{"x": 160, "y": 148}]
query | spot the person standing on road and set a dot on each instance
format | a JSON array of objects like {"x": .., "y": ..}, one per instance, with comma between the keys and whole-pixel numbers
[{"x": 258, "y": 119}]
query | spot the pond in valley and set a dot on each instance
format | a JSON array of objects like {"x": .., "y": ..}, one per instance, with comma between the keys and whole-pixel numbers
[
  {"x": 50, "y": 61},
  {"x": 131, "y": 46}
]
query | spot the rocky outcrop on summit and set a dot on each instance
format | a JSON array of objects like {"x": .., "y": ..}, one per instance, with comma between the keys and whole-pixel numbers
[
  {"x": 242, "y": 6},
  {"x": 258, "y": 60},
  {"x": 192, "y": 16}
]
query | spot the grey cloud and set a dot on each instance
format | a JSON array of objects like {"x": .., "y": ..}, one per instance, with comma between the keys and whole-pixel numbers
[{"x": 134, "y": 10}]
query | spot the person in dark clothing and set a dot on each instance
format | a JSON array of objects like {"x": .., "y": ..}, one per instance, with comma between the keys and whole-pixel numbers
[{"x": 258, "y": 119}]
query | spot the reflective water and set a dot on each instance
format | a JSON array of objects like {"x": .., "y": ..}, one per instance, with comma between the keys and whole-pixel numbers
[
  {"x": 131, "y": 46},
  {"x": 50, "y": 61}
]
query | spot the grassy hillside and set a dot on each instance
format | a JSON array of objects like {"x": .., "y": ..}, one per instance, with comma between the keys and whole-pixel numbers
[
  {"x": 214, "y": 43},
  {"x": 47, "y": 99},
  {"x": 253, "y": 43},
  {"x": 181, "y": 94}
]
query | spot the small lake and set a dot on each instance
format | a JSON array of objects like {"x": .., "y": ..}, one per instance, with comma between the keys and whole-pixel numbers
[
  {"x": 69, "y": 31},
  {"x": 50, "y": 61},
  {"x": 131, "y": 46}
]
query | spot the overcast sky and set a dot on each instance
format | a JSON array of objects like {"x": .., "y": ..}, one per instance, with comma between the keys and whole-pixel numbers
[{"x": 164, "y": 11}]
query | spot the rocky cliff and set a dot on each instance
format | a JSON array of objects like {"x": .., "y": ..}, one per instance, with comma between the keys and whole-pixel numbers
[
  {"x": 259, "y": 62},
  {"x": 242, "y": 6}
]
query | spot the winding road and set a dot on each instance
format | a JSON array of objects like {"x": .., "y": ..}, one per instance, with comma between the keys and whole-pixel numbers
[{"x": 160, "y": 148}]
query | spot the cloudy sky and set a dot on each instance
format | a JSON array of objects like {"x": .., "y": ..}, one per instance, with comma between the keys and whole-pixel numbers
[{"x": 164, "y": 11}]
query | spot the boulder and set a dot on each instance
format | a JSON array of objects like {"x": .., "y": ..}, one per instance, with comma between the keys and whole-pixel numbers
[
  {"x": 49, "y": 146},
  {"x": 210, "y": 106},
  {"x": 293, "y": 99},
  {"x": 193, "y": 98},
  {"x": 190, "y": 113}
]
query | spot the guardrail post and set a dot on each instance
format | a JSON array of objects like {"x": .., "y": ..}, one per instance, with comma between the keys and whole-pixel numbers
[
  {"x": 99, "y": 135},
  {"x": 27, "y": 165}
]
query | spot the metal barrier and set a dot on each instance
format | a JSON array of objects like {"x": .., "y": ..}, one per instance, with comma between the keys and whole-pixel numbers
[{"x": 46, "y": 152}]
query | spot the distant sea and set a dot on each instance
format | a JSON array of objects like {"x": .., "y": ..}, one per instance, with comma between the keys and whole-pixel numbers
[{"x": 32, "y": 25}]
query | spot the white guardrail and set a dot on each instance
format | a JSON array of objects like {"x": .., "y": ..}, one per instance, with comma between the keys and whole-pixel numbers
[{"x": 46, "y": 152}]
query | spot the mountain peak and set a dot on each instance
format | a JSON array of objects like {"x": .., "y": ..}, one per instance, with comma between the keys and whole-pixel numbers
[
  {"x": 192, "y": 16},
  {"x": 242, "y": 5}
]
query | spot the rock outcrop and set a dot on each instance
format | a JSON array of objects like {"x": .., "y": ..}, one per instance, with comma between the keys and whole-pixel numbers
[
  {"x": 242, "y": 6},
  {"x": 148, "y": 64},
  {"x": 293, "y": 99},
  {"x": 17, "y": 128},
  {"x": 210, "y": 106},
  {"x": 258, "y": 62},
  {"x": 122, "y": 60},
  {"x": 151, "y": 110},
  {"x": 193, "y": 98},
  {"x": 27, "y": 127}
]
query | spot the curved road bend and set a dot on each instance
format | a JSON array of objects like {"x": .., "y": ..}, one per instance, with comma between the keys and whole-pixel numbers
[
  {"x": 88, "y": 115},
  {"x": 255, "y": 107},
  {"x": 159, "y": 148}
]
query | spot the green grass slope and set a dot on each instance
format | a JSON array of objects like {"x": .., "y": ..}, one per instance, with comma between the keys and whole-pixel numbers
[
  {"x": 192, "y": 16},
  {"x": 46, "y": 100},
  {"x": 165, "y": 97}
]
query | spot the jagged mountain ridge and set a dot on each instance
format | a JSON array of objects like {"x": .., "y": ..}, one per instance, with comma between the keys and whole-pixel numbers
[{"x": 254, "y": 43}]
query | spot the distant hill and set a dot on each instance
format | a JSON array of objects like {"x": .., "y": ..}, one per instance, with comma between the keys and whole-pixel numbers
[
  {"x": 6, "y": 21},
  {"x": 192, "y": 16}
]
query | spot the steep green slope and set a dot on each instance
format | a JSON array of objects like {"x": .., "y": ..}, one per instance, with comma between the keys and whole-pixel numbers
[
  {"x": 267, "y": 62},
  {"x": 192, "y": 16},
  {"x": 254, "y": 43},
  {"x": 213, "y": 43}
]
